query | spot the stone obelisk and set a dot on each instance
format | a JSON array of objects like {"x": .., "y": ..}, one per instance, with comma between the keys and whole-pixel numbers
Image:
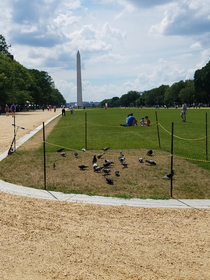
[{"x": 79, "y": 81}]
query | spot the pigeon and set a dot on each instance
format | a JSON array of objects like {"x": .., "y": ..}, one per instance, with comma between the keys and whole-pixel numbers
[
  {"x": 94, "y": 159},
  {"x": 82, "y": 166},
  {"x": 75, "y": 153},
  {"x": 121, "y": 154},
  {"x": 60, "y": 150},
  {"x": 125, "y": 164},
  {"x": 106, "y": 171},
  {"x": 83, "y": 150},
  {"x": 141, "y": 160},
  {"x": 95, "y": 165},
  {"x": 109, "y": 180},
  {"x": 106, "y": 164},
  {"x": 105, "y": 149},
  {"x": 151, "y": 162},
  {"x": 108, "y": 161},
  {"x": 117, "y": 173},
  {"x": 150, "y": 152},
  {"x": 121, "y": 159},
  {"x": 169, "y": 175},
  {"x": 98, "y": 169},
  {"x": 63, "y": 154},
  {"x": 100, "y": 156},
  {"x": 54, "y": 166}
]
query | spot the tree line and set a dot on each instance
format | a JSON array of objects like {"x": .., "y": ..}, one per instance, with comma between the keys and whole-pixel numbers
[
  {"x": 19, "y": 85},
  {"x": 196, "y": 91}
]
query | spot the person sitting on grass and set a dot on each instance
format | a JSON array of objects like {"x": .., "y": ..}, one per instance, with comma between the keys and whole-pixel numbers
[
  {"x": 131, "y": 121},
  {"x": 147, "y": 123},
  {"x": 142, "y": 122}
]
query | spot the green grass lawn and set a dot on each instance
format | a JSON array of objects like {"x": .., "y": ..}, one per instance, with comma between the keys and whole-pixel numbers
[{"x": 104, "y": 130}]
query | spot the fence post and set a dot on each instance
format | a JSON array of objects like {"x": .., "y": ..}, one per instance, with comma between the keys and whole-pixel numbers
[
  {"x": 172, "y": 152},
  {"x": 206, "y": 139},
  {"x": 44, "y": 157},
  {"x": 86, "y": 130},
  {"x": 157, "y": 128}
]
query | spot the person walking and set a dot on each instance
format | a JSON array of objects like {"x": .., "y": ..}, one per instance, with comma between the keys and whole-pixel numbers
[
  {"x": 13, "y": 109},
  {"x": 184, "y": 111},
  {"x": 63, "y": 110},
  {"x": 7, "y": 110}
]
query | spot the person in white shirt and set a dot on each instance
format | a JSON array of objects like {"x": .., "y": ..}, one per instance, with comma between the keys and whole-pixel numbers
[{"x": 184, "y": 111}]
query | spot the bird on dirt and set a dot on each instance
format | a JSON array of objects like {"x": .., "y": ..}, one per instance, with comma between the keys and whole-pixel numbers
[
  {"x": 100, "y": 156},
  {"x": 60, "y": 150},
  {"x": 121, "y": 159},
  {"x": 169, "y": 175},
  {"x": 54, "y": 166},
  {"x": 95, "y": 165},
  {"x": 117, "y": 173},
  {"x": 94, "y": 159},
  {"x": 98, "y": 169},
  {"x": 106, "y": 171},
  {"x": 125, "y": 164},
  {"x": 109, "y": 180},
  {"x": 76, "y": 154},
  {"x": 82, "y": 166},
  {"x": 121, "y": 154},
  {"x": 83, "y": 149},
  {"x": 63, "y": 154},
  {"x": 107, "y": 163},
  {"x": 105, "y": 149},
  {"x": 150, "y": 152},
  {"x": 141, "y": 160},
  {"x": 151, "y": 162}
]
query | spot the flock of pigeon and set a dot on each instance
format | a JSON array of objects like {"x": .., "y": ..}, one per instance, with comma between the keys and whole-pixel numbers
[{"x": 108, "y": 163}]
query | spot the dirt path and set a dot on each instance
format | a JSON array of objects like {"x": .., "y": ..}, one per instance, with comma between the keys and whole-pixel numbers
[
  {"x": 43, "y": 239},
  {"x": 29, "y": 120}
]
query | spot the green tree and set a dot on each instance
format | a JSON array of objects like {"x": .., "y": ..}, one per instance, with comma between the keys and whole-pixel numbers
[
  {"x": 188, "y": 93},
  {"x": 3, "y": 45},
  {"x": 172, "y": 93},
  {"x": 202, "y": 83},
  {"x": 42, "y": 87},
  {"x": 14, "y": 79},
  {"x": 129, "y": 99},
  {"x": 156, "y": 96}
]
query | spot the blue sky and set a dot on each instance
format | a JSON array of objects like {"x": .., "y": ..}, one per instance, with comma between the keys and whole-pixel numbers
[{"x": 124, "y": 44}]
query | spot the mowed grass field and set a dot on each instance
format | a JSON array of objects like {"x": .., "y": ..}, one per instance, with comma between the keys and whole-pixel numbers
[{"x": 95, "y": 129}]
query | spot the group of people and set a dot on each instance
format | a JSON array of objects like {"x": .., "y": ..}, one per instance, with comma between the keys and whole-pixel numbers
[
  {"x": 7, "y": 110},
  {"x": 145, "y": 121},
  {"x": 132, "y": 121}
]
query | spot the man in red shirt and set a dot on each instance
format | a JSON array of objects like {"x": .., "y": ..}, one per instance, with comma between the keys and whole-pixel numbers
[{"x": 147, "y": 123}]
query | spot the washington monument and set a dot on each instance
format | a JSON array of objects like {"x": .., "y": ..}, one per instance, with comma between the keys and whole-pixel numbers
[{"x": 79, "y": 81}]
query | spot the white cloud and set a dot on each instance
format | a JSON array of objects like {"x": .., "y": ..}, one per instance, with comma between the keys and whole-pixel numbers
[{"x": 196, "y": 46}]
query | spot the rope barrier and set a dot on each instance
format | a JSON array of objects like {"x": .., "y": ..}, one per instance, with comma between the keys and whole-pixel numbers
[
  {"x": 192, "y": 159},
  {"x": 33, "y": 144},
  {"x": 181, "y": 138}
]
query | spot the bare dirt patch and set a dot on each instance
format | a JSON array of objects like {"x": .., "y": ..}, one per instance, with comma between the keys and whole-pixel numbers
[{"x": 58, "y": 240}]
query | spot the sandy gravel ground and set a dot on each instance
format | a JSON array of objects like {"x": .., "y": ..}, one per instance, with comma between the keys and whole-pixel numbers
[
  {"x": 42, "y": 239},
  {"x": 29, "y": 120}
]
